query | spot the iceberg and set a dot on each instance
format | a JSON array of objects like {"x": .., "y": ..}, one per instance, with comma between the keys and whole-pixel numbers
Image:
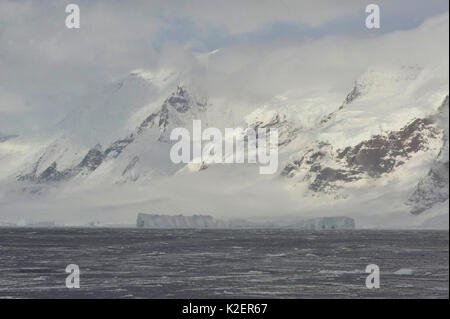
[
  {"x": 328, "y": 223},
  {"x": 176, "y": 221}
]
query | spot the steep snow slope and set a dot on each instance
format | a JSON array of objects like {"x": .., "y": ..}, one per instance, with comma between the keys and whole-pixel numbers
[
  {"x": 109, "y": 115},
  {"x": 385, "y": 100},
  {"x": 433, "y": 188},
  {"x": 387, "y": 133},
  {"x": 106, "y": 115},
  {"x": 5, "y": 137},
  {"x": 144, "y": 152}
]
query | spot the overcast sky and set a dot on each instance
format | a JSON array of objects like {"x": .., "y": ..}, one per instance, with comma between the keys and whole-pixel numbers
[{"x": 45, "y": 67}]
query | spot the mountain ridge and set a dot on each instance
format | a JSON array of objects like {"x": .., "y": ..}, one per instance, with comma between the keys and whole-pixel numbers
[{"x": 316, "y": 160}]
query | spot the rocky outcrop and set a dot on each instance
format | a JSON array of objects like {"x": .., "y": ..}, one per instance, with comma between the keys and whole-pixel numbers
[
  {"x": 114, "y": 150},
  {"x": 50, "y": 174},
  {"x": 327, "y": 170},
  {"x": 434, "y": 187},
  {"x": 89, "y": 163},
  {"x": 381, "y": 154},
  {"x": 179, "y": 102},
  {"x": 320, "y": 168},
  {"x": 287, "y": 132},
  {"x": 93, "y": 159},
  {"x": 32, "y": 176},
  {"x": 355, "y": 93},
  {"x": 431, "y": 189}
]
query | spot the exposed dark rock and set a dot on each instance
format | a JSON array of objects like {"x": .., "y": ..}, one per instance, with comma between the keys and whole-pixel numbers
[
  {"x": 326, "y": 176},
  {"x": 118, "y": 146},
  {"x": 443, "y": 108},
  {"x": 327, "y": 170},
  {"x": 90, "y": 162},
  {"x": 286, "y": 131},
  {"x": 434, "y": 187},
  {"x": 32, "y": 176},
  {"x": 381, "y": 154},
  {"x": 355, "y": 93},
  {"x": 431, "y": 189},
  {"x": 51, "y": 174},
  {"x": 290, "y": 169},
  {"x": 179, "y": 101},
  {"x": 93, "y": 159}
]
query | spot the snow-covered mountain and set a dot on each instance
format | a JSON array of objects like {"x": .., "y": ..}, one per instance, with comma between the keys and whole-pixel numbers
[
  {"x": 384, "y": 146},
  {"x": 433, "y": 188},
  {"x": 143, "y": 147}
]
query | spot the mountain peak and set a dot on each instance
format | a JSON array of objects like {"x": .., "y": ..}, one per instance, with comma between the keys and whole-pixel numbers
[{"x": 160, "y": 78}]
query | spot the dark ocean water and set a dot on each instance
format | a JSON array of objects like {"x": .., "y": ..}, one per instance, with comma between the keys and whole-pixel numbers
[{"x": 144, "y": 263}]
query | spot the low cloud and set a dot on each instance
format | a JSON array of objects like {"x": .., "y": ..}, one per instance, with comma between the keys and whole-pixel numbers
[{"x": 50, "y": 66}]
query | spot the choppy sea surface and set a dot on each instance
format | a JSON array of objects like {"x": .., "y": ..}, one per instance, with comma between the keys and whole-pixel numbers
[{"x": 146, "y": 263}]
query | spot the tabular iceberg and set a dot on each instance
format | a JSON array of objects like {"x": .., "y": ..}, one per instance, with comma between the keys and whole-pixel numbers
[{"x": 327, "y": 223}]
